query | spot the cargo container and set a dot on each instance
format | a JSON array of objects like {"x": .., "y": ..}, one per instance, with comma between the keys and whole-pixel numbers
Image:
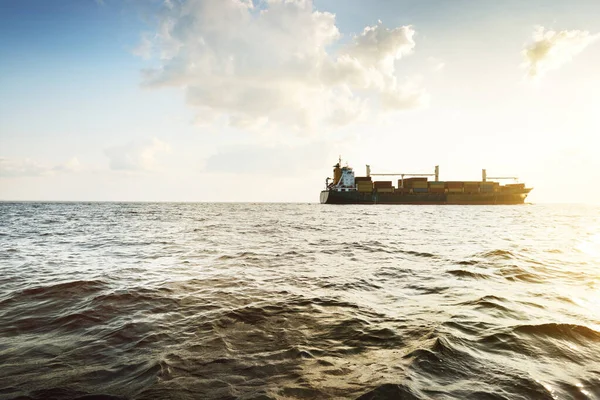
[
  {"x": 382, "y": 184},
  {"x": 471, "y": 187},
  {"x": 408, "y": 182},
  {"x": 416, "y": 179},
  {"x": 437, "y": 184}
]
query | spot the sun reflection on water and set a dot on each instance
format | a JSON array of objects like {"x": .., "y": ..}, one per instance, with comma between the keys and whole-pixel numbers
[{"x": 591, "y": 247}]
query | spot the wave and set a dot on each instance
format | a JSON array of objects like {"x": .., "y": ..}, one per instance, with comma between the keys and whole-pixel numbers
[
  {"x": 552, "y": 341},
  {"x": 461, "y": 273},
  {"x": 360, "y": 284},
  {"x": 577, "y": 333},
  {"x": 391, "y": 391},
  {"x": 66, "y": 394},
  {"x": 488, "y": 301},
  {"x": 419, "y": 254},
  {"x": 514, "y": 272},
  {"x": 495, "y": 254},
  {"x": 59, "y": 290},
  {"x": 455, "y": 367},
  {"x": 245, "y": 255}
]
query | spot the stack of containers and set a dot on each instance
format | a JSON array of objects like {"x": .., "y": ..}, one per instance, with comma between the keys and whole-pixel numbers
[
  {"x": 455, "y": 187},
  {"x": 437, "y": 187},
  {"x": 471, "y": 187},
  {"x": 510, "y": 187},
  {"x": 486, "y": 187},
  {"x": 420, "y": 186},
  {"x": 364, "y": 184},
  {"x": 408, "y": 182},
  {"x": 384, "y": 187},
  {"x": 515, "y": 185}
]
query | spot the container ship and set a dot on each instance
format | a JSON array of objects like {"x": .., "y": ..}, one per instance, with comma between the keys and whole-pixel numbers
[{"x": 345, "y": 188}]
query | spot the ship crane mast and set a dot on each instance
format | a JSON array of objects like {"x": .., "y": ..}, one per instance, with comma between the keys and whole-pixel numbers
[
  {"x": 484, "y": 177},
  {"x": 503, "y": 177}
]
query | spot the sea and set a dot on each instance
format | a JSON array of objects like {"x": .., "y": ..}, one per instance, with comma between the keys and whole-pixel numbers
[{"x": 299, "y": 301}]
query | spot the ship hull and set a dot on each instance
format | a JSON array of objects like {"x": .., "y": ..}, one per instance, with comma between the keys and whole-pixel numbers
[{"x": 355, "y": 197}]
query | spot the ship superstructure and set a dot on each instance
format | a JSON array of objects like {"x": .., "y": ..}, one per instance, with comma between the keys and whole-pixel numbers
[
  {"x": 415, "y": 188},
  {"x": 343, "y": 178}
]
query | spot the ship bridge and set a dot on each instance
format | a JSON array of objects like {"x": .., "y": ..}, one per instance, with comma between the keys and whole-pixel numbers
[{"x": 343, "y": 178}]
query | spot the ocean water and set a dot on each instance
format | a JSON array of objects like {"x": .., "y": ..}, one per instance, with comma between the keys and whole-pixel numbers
[{"x": 299, "y": 301}]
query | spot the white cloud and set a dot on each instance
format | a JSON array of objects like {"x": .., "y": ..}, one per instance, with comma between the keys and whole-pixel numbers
[
  {"x": 275, "y": 64},
  {"x": 144, "y": 48},
  {"x": 136, "y": 156},
  {"x": 11, "y": 167},
  {"x": 73, "y": 165},
  {"x": 551, "y": 49}
]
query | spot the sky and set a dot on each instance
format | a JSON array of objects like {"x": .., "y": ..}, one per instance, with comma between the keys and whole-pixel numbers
[{"x": 240, "y": 100}]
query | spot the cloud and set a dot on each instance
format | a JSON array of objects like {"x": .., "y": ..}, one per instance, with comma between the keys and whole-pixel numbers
[
  {"x": 550, "y": 49},
  {"x": 136, "y": 156},
  {"x": 12, "y": 168},
  {"x": 277, "y": 63},
  {"x": 144, "y": 48},
  {"x": 73, "y": 165}
]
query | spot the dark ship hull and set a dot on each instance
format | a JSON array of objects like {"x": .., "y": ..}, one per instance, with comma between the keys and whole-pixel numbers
[{"x": 355, "y": 197}]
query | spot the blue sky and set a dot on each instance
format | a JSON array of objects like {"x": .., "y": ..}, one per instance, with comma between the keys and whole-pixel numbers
[{"x": 108, "y": 101}]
